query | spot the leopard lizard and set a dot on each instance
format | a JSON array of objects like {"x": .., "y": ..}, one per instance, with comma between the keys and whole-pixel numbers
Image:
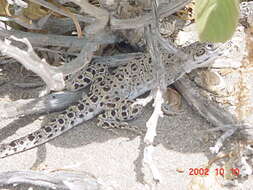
[{"x": 112, "y": 93}]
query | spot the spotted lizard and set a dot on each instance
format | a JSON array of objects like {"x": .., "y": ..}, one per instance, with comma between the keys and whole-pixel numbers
[{"x": 111, "y": 95}]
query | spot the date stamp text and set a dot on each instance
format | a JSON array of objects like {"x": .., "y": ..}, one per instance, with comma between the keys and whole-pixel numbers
[{"x": 218, "y": 171}]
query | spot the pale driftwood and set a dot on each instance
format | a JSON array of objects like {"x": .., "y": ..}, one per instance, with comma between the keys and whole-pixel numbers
[
  {"x": 46, "y": 104},
  {"x": 60, "y": 179},
  {"x": 31, "y": 61},
  {"x": 40, "y": 40},
  {"x": 157, "y": 93}
]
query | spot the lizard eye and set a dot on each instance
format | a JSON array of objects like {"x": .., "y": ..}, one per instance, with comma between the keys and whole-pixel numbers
[
  {"x": 200, "y": 52},
  {"x": 209, "y": 46}
]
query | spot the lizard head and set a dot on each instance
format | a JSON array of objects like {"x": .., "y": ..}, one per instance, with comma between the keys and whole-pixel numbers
[
  {"x": 202, "y": 54},
  {"x": 199, "y": 50}
]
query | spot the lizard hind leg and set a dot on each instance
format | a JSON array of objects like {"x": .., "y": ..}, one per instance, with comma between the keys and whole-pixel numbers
[
  {"x": 118, "y": 112},
  {"x": 172, "y": 103}
]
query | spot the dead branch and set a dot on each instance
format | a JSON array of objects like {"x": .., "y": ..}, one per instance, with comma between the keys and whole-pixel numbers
[
  {"x": 46, "y": 104},
  {"x": 60, "y": 179},
  {"x": 31, "y": 61},
  {"x": 37, "y": 39},
  {"x": 101, "y": 15},
  {"x": 207, "y": 109},
  {"x": 151, "y": 124}
]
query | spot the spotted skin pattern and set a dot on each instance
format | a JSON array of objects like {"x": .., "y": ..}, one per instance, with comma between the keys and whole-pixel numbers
[
  {"x": 84, "y": 77},
  {"x": 111, "y": 96}
]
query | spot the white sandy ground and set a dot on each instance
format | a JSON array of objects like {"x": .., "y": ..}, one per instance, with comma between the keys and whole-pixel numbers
[{"x": 115, "y": 157}]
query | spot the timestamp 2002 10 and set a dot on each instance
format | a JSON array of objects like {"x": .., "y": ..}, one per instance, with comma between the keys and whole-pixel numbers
[{"x": 218, "y": 171}]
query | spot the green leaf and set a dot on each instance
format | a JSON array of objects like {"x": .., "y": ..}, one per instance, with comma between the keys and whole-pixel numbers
[{"x": 216, "y": 19}]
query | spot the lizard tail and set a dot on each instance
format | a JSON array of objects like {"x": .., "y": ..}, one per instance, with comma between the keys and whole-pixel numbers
[{"x": 64, "y": 121}]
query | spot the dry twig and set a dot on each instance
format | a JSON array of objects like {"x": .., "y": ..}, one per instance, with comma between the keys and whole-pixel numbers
[
  {"x": 63, "y": 12},
  {"x": 151, "y": 124},
  {"x": 101, "y": 15}
]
